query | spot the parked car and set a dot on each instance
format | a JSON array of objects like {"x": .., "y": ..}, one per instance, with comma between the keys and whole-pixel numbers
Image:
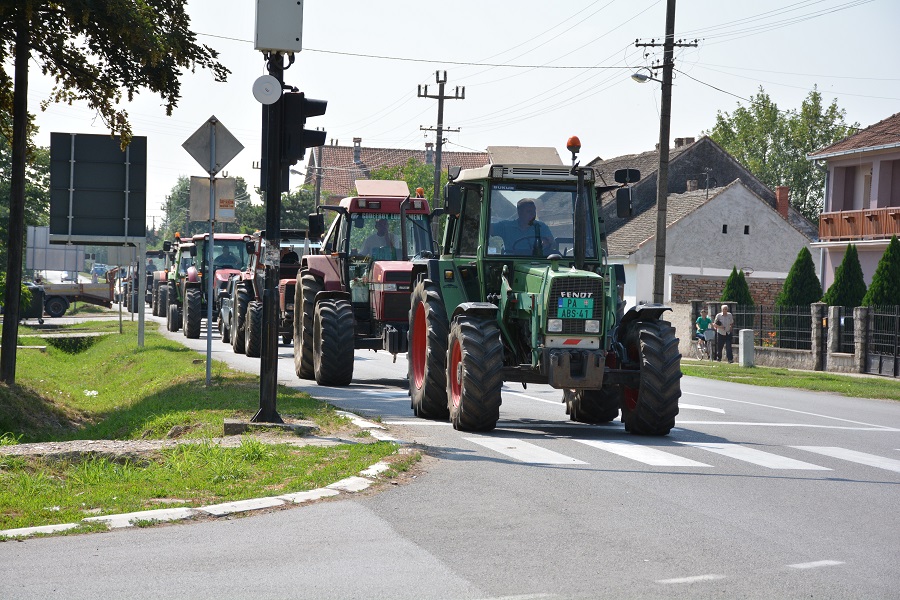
[{"x": 99, "y": 270}]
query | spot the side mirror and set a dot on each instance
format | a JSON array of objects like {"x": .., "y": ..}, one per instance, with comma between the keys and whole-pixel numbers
[
  {"x": 192, "y": 251},
  {"x": 167, "y": 246},
  {"x": 316, "y": 226},
  {"x": 251, "y": 246},
  {"x": 452, "y": 199},
  {"x": 437, "y": 212},
  {"x": 627, "y": 176},
  {"x": 453, "y": 172},
  {"x": 624, "y": 208}
]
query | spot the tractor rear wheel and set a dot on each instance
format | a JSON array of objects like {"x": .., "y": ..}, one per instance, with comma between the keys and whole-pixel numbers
[
  {"x": 474, "y": 378},
  {"x": 173, "y": 318},
  {"x": 254, "y": 329},
  {"x": 333, "y": 332},
  {"x": 304, "y": 311},
  {"x": 162, "y": 302},
  {"x": 650, "y": 409},
  {"x": 224, "y": 330},
  {"x": 239, "y": 303},
  {"x": 427, "y": 355},
  {"x": 154, "y": 301},
  {"x": 593, "y": 406},
  {"x": 193, "y": 306}
]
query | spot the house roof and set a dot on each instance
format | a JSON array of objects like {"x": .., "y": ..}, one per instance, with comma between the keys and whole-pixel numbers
[
  {"x": 646, "y": 162},
  {"x": 340, "y": 169},
  {"x": 884, "y": 134},
  {"x": 628, "y": 238}
]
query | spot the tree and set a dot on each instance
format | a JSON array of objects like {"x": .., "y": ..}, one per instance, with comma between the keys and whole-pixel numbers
[
  {"x": 849, "y": 286},
  {"x": 736, "y": 289},
  {"x": 885, "y": 288},
  {"x": 773, "y": 144},
  {"x": 415, "y": 173},
  {"x": 802, "y": 286},
  {"x": 97, "y": 51}
]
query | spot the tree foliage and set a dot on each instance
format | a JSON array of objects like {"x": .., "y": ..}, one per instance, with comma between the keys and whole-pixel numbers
[
  {"x": 802, "y": 285},
  {"x": 100, "y": 52},
  {"x": 849, "y": 286},
  {"x": 885, "y": 288},
  {"x": 736, "y": 289},
  {"x": 773, "y": 144},
  {"x": 415, "y": 173}
]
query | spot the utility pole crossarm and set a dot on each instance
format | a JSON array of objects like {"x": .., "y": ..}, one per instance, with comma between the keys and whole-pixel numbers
[{"x": 459, "y": 94}]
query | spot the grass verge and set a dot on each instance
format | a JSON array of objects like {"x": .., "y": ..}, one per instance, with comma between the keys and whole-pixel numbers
[
  {"x": 106, "y": 388},
  {"x": 816, "y": 381}
]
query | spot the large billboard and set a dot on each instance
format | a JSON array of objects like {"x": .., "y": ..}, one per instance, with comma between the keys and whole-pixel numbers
[{"x": 98, "y": 193}]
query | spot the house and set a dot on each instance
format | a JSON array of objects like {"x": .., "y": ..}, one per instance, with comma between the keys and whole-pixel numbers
[
  {"x": 334, "y": 169},
  {"x": 862, "y": 197},
  {"x": 719, "y": 216}
]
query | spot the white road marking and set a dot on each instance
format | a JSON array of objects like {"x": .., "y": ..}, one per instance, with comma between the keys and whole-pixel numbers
[
  {"x": 524, "y": 452},
  {"x": 862, "y": 458},
  {"x": 643, "y": 454},
  {"x": 556, "y": 402},
  {"x": 693, "y": 579},
  {"x": 756, "y": 457},
  {"x": 799, "y": 412},
  {"x": 698, "y": 407},
  {"x": 816, "y": 564},
  {"x": 809, "y": 425}
]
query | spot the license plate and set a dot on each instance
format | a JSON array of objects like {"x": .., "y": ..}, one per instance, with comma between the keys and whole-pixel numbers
[{"x": 575, "y": 308}]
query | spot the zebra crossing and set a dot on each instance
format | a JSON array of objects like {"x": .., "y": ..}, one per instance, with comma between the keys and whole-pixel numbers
[{"x": 682, "y": 455}]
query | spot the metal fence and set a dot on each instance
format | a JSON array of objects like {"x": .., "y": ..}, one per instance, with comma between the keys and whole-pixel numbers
[
  {"x": 846, "y": 334},
  {"x": 884, "y": 341},
  {"x": 776, "y": 326}
]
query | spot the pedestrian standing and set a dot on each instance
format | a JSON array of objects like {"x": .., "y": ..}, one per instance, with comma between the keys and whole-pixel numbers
[{"x": 724, "y": 326}]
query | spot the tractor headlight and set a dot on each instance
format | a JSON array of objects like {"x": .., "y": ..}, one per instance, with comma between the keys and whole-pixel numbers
[
  {"x": 592, "y": 326},
  {"x": 554, "y": 325}
]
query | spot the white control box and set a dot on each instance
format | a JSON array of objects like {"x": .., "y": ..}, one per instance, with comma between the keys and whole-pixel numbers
[{"x": 279, "y": 25}]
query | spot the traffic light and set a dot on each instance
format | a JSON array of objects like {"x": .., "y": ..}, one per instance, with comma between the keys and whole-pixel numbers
[{"x": 297, "y": 108}]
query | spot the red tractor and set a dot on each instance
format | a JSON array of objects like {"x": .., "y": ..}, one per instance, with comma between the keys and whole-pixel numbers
[
  {"x": 241, "y": 312},
  {"x": 356, "y": 293}
]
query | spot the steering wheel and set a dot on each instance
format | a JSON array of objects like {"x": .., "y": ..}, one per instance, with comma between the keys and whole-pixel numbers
[
  {"x": 531, "y": 239},
  {"x": 226, "y": 265}
]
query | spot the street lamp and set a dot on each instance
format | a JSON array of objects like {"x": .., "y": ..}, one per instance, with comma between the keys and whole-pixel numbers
[{"x": 642, "y": 77}]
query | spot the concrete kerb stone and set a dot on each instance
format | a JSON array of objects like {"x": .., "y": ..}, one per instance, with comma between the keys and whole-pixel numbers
[
  {"x": 130, "y": 519},
  {"x": 229, "y": 508},
  {"x": 351, "y": 484},
  {"x": 238, "y": 427}
]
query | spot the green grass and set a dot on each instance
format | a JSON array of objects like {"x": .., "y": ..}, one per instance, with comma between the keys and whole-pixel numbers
[
  {"x": 108, "y": 388},
  {"x": 817, "y": 381}
]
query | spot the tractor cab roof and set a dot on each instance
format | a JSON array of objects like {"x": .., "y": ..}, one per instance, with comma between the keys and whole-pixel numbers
[{"x": 522, "y": 172}]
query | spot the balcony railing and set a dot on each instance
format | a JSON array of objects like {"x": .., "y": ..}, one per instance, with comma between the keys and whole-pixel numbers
[{"x": 869, "y": 224}]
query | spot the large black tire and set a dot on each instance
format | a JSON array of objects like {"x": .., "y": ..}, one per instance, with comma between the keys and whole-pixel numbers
[
  {"x": 224, "y": 330},
  {"x": 304, "y": 312},
  {"x": 333, "y": 331},
  {"x": 593, "y": 406},
  {"x": 474, "y": 373},
  {"x": 254, "y": 329},
  {"x": 427, "y": 355},
  {"x": 239, "y": 301},
  {"x": 55, "y": 306},
  {"x": 154, "y": 300},
  {"x": 651, "y": 408},
  {"x": 162, "y": 301},
  {"x": 193, "y": 307},
  {"x": 173, "y": 318}
]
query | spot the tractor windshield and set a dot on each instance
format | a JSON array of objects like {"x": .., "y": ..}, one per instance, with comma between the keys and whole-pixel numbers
[
  {"x": 377, "y": 235},
  {"x": 531, "y": 219},
  {"x": 227, "y": 254}
]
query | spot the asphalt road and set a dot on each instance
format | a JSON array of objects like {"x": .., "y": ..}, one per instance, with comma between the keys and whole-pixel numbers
[{"x": 757, "y": 493}]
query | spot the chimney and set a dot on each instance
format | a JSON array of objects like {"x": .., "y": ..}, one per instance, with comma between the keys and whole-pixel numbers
[
  {"x": 782, "y": 200},
  {"x": 688, "y": 141},
  {"x": 691, "y": 185},
  {"x": 429, "y": 153},
  {"x": 357, "y": 142},
  {"x": 679, "y": 142}
]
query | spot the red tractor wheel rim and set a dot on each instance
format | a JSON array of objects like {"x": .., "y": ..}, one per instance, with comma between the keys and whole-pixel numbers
[
  {"x": 455, "y": 373},
  {"x": 419, "y": 346}
]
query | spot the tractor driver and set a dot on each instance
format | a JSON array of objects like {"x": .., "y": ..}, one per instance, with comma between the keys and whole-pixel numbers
[
  {"x": 226, "y": 259},
  {"x": 525, "y": 235},
  {"x": 382, "y": 238}
]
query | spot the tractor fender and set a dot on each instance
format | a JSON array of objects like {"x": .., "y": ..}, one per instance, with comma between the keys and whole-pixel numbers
[
  {"x": 643, "y": 312},
  {"x": 192, "y": 275},
  {"x": 485, "y": 309},
  {"x": 324, "y": 267}
]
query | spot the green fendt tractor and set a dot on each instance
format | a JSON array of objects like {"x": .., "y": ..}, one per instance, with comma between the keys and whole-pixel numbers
[{"x": 523, "y": 292}]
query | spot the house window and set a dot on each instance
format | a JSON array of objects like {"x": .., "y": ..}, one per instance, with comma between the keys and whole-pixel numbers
[
  {"x": 724, "y": 228},
  {"x": 746, "y": 230}
]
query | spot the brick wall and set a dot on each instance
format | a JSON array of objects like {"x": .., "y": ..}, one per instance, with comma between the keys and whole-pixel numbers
[{"x": 691, "y": 287}]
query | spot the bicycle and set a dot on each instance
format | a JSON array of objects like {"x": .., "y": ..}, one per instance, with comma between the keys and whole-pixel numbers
[{"x": 701, "y": 345}]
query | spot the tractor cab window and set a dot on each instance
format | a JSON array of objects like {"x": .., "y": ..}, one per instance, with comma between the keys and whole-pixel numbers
[
  {"x": 375, "y": 236},
  {"x": 230, "y": 254},
  {"x": 468, "y": 223},
  {"x": 534, "y": 220}
]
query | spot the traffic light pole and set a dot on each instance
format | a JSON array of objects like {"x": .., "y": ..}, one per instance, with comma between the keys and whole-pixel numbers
[{"x": 268, "y": 375}]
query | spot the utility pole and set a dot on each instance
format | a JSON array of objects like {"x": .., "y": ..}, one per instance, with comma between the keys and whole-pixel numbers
[
  {"x": 662, "y": 174},
  {"x": 458, "y": 94}
]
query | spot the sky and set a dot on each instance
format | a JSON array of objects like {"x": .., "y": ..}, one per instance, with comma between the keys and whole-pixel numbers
[{"x": 534, "y": 74}]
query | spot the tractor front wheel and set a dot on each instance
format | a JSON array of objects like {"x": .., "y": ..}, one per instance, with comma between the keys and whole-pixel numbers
[
  {"x": 474, "y": 373},
  {"x": 193, "y": 307},
  {"x": 173, "y": 318},
  {"x": 333, "y": 333},
  {"x": 427, "y": 357},
  {"x": 254, "y": 329},
  {"x": 593, "y": 406},
  {"x": 304, "y": 311},
  {"x": 650, "y": 408},
  {"x": 239, "y": 303}
]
